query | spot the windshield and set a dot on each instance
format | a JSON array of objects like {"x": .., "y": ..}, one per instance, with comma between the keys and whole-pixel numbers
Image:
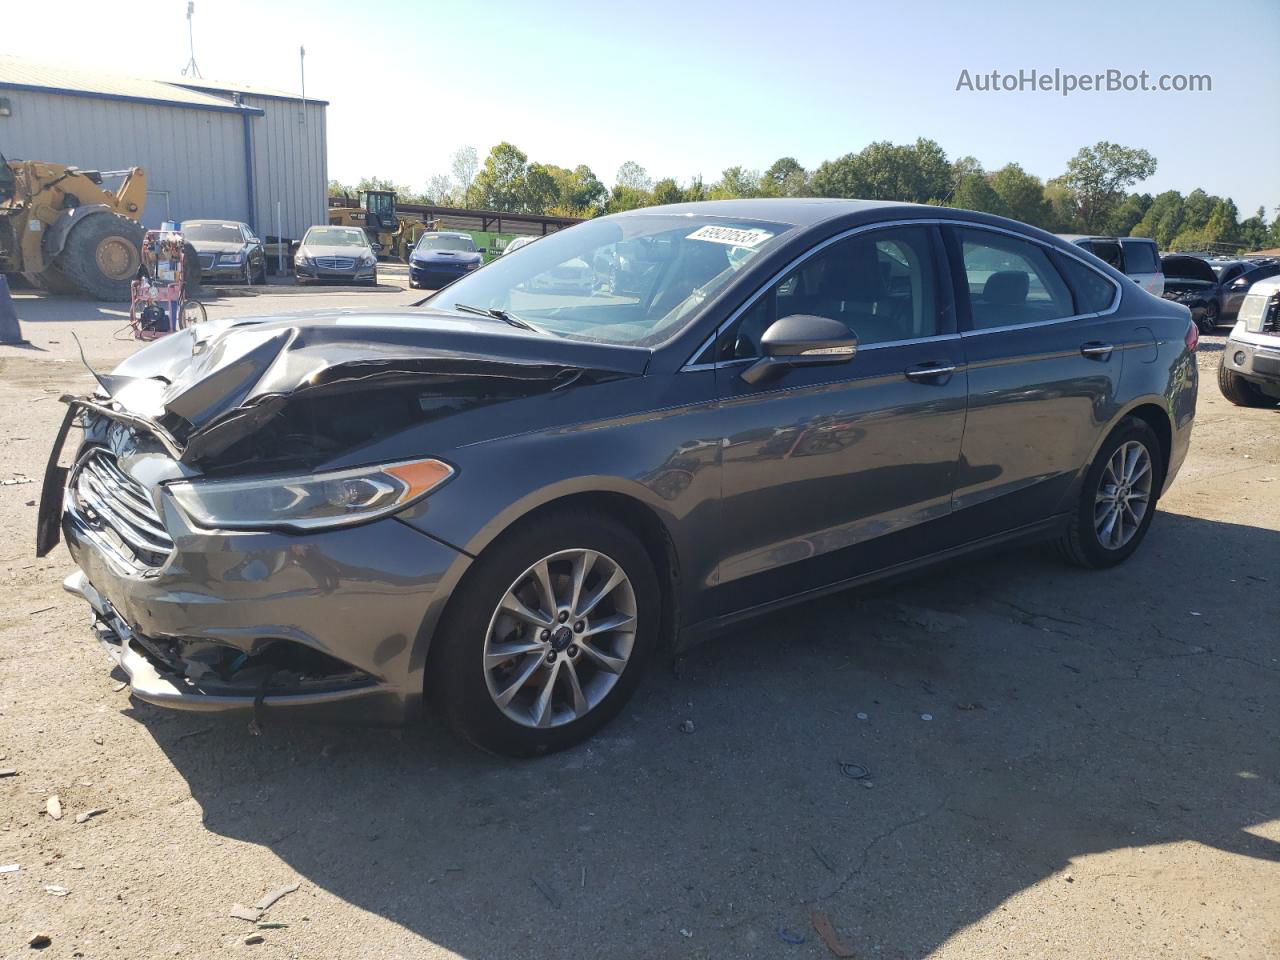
[
  {"x": 213, "y": 232},
  {"x": 632, "y": 279},
  {"x": 335, "y": 237},
  {"x": 443, "y": 241}
]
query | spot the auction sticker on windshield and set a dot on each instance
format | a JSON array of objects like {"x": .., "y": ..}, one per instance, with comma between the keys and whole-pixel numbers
[{"x": 733, "y": 236}]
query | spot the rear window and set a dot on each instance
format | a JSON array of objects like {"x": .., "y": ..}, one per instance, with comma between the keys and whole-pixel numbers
[{"x": 1140, "y": 257}]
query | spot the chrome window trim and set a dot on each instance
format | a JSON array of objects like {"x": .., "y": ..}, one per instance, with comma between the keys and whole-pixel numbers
[{"x": 865, "y": 228}]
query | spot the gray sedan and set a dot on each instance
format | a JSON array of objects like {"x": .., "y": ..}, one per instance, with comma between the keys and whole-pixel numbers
[
  {"x": 335, "y": 253},
  {"x": 503, "y": 503}
]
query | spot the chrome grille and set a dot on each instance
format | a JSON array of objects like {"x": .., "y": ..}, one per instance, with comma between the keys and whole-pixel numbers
[
  {"x": 335, "y": 263},
  {"x": 120, "y": 506},
  {"x": 206, "y": 260}
]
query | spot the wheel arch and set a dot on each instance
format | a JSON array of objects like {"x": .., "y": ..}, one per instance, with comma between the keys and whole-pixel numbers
[
  {"x": 1152, "y": 410},
  {"x": 638, "y": 516},
  {"x": 55, "y": 238}
]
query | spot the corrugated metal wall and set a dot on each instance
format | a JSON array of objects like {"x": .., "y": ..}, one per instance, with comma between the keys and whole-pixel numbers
[
  {"x": 195, "y": 156},
  {"x": 290, "y": 165}
]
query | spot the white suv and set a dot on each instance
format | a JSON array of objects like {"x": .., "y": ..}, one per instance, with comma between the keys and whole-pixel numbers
[{"x": 1136, "y": 257}]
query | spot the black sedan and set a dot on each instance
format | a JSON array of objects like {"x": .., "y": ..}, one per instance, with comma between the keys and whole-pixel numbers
[
  {"x": 228, "y": 250},
  {"x": 1212, "y": 289},
  {"x": 505, "y": 502}
]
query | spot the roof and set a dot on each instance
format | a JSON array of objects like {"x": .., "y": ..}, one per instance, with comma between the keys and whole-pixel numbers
[
  {"x": 218, "y": 86},
  {"x": 19, "y": 74},
  {"x": 797, "y": 211}
]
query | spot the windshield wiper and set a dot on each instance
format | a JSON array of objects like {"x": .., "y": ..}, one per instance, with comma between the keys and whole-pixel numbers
[{"x": 507, "y": 318}]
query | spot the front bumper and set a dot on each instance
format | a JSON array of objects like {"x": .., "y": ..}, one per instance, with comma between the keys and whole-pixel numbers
[
  {"x": 222, "y": 271},
  {"x": 356, "y": 274},
  {"x": 432, "y": 277},
  {"x": 1254, "y": 356},
  {"x": 363, "y": 598}
]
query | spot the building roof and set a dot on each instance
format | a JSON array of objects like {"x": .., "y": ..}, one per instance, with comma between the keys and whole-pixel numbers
[
  {"x": 19, "y": 74},
  {"x": 218, "y": 86}
]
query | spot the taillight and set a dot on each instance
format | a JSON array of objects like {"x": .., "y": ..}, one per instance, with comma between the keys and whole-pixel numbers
[{"x": 1192, "y": 339}]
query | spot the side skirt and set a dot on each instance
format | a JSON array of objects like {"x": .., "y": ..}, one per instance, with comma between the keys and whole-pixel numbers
[{"x": 1040, "y": 530}]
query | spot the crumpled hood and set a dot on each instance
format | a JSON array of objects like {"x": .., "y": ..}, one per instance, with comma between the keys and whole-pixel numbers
[{"x": 206, "y": 387}]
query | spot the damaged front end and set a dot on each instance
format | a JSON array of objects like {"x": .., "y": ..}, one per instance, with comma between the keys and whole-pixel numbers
[{"x": 231, "y": 502}]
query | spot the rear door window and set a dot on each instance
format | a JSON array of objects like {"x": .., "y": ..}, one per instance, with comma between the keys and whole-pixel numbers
[
  {"x": 1108, "y": 251},
  {"x": 1140, "y": 256},
  {"x": 1010, "y": 281}
]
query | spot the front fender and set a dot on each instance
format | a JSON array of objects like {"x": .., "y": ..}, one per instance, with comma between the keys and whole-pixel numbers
[{"x": 55, "y": 237}]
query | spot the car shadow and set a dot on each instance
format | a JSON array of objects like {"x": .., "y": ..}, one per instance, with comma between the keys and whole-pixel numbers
[{"x": 1019, "y": 714}]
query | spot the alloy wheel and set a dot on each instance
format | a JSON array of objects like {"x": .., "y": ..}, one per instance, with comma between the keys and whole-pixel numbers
[
  {"x": 560, "y": 638},
  {"x": 1124, "y": 495}
]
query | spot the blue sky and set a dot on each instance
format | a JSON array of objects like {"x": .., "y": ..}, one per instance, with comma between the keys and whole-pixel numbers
[{"x": 691, "y": 88}]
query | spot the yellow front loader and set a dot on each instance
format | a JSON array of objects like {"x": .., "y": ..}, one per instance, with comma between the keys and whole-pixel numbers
[{"x": 65, "y": 233}]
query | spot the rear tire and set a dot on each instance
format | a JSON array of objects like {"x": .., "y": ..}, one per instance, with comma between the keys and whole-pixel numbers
[
  {"x": 1083, "y": 541},
  {"x": 1239, "y": 390},
  {"x": 102, "y": 256},
  {"x": 460, "y": 673}
]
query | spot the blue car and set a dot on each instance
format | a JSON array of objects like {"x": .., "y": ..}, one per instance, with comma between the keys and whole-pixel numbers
[{"x": 438, "y": 259}]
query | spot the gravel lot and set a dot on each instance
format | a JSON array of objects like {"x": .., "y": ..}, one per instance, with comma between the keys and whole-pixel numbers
[{"x": 1060, "y": 763}]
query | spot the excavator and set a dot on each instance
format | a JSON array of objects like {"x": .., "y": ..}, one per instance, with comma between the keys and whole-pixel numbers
[
  {"x": 65, "y": 233},
  {"x": 391, "y": 235}
]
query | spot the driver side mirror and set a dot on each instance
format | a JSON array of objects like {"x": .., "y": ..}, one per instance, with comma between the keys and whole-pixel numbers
[{"x": 801, "y": 340}]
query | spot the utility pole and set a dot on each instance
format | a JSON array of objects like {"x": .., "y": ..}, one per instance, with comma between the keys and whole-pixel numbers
[{"x": 191, "y": 67}]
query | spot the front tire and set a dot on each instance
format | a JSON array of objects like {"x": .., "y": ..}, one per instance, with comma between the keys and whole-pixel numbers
[
  {"x": 102, "y": 256},
  {"x": 1239, "y": 390},
  {"x": 1118, "y": 498},
  {"x": 1209, "y": 319},
  {"x": 548, "y": 635}
]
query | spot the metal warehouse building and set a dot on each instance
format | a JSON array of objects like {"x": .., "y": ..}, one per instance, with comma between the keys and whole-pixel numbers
[{"x": 209, "y": 150}]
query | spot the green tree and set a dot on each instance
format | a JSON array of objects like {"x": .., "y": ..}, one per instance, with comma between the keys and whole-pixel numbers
[
  {"x": 1098, "y": 177},
  {"x": 633, "y": 176},
  {"x": 500, "y": 184},
  {"x": 784, "y": 178},
  {"x": 667, "y": 190},
  {"x": 735, "y": 183},
  {"x": 1061, "y": 202},
  {"x": 538, "y": 189},
  {"x": 1022, "y": 195},
  {"x": 914, "y": 173},
  {"x": 627, "y": 198},
  {"x": 1163, "y": 219},
  {"x": 1128, "y": 214},
  {"x": 463, "y": 165},
  {"x": 975, "y": 193},
  {"x": 1253, "y": 231}
]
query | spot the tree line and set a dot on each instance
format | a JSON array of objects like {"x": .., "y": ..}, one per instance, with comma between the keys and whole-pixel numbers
[{"x": 1092, "y": 195}]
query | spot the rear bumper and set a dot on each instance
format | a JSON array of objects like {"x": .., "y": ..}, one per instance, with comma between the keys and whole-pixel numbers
[{"x": 1256, "y": 357}]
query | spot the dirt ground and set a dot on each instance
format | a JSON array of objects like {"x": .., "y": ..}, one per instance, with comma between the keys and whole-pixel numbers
[{"x": 1059, "y": 763}]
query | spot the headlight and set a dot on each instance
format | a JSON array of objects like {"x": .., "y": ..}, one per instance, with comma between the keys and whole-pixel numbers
[
  {"x": 302, "y": 261},
  {"x": 368, "y": 261},
  {"x": 230, "y": 257},
  {"x": 309, "y": 501},
  {"x": 473, "y": 266}
]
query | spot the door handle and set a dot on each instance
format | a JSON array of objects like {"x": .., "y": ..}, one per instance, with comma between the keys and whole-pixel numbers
[
  {"x": 933, "y": 370},
  {"x": 1097, "y": 351}
]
